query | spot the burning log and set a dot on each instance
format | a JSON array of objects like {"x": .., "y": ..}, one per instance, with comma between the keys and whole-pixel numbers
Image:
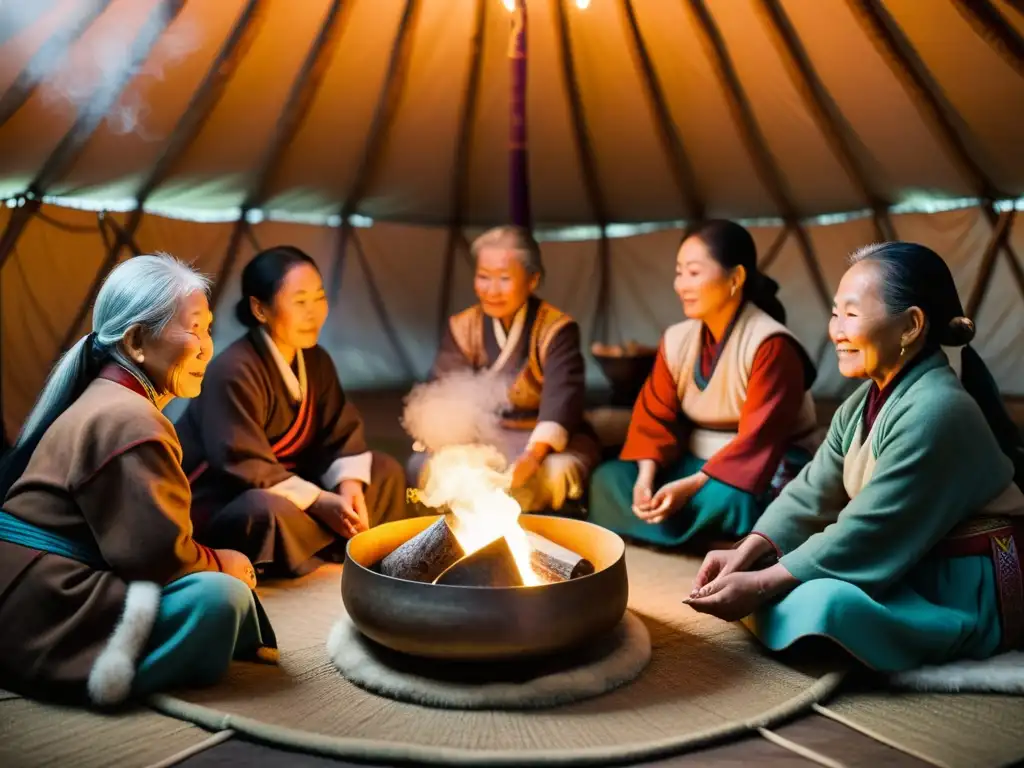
[
  {"x": 553, "y": 562},
  {"x": 425, "y": 556},
  {"x": 490, "y": 566}
]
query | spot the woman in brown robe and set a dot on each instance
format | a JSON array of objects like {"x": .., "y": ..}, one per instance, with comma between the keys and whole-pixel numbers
[
  {"x": 274, "y": 450},
  {"x": 104, "y": 593},
  {"x": 513, "y": 335}
]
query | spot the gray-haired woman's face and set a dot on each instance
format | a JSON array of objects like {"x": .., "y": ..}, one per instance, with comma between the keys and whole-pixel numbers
[
  {"x": 867, "y": 338},
  {"x": 501, "y": 282},
  {"x": 176, "y": 360}
]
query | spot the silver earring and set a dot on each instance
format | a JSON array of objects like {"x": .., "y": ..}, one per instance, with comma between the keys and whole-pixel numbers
[{"x": 903, "y": 351}]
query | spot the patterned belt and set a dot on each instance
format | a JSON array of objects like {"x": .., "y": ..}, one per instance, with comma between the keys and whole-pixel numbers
[{"x": 1000, "y": 538}]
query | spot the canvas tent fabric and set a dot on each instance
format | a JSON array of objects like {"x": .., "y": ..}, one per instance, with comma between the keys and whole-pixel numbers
[{"x": 373, "y": 133}]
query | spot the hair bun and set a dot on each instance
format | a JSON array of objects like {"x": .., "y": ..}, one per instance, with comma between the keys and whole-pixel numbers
[
  {"x": 959, "y": 332},
  {"x": 244, "y": 315}
]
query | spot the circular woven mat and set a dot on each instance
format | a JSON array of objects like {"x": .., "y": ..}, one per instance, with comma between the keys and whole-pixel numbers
[
  {"x": 608, "y": 663},
  {"x": 707, "y": 681}
]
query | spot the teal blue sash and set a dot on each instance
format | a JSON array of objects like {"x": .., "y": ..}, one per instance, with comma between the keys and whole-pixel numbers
[{"x": 17, "y": 531}]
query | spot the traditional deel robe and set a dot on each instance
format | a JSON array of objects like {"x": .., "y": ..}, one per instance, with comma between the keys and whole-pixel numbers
[
  {"x": 540, "y": 355},
  {"x": 104, "y": 593},
  {"x": 739, "y": 410},
  {"x": 903, "y": 530},
  {"x": 260, "y": 443}
]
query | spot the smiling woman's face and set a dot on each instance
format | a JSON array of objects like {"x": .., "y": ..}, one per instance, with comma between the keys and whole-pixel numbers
[
  {"x": 176, "y": 360},
  {"x": 299, "y": 308},
  {"x": 867, "y": 338}
]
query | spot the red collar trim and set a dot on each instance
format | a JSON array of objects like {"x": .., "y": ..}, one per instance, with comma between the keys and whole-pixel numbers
[{"x": 118, "y": 375}]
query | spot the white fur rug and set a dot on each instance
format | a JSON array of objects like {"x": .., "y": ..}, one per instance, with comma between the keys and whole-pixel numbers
[
  {"x": 623, "y": 656},
  {"x": 1000, "y": 674}
]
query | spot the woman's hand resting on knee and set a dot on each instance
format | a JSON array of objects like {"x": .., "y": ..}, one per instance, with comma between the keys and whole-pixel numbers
[{"x": 236, "y": 564}]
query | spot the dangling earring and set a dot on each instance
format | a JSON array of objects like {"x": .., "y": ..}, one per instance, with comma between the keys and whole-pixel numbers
[
  {"x": 903, "y": 351},
  {"x": 732, "y": 290}
]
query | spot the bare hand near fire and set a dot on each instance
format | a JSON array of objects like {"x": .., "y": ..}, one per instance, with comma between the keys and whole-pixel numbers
[
  {"x": 336, "y": 513},
  {"x": 731, "y": 597},
  {"x": 528, "y": 464},
  {"x": 721, "y": 562},
  {"x": 352, "y": 492},
  {"x": 670, "y": 498}
]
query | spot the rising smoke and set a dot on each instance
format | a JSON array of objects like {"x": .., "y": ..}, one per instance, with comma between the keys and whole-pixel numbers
[
  {"x": 462, "y": 408},
  {"x": 106, "y": 68}
]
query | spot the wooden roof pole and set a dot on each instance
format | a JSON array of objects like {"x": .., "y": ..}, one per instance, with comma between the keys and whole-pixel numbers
[
  {"x": 460, "y": 175},
  {"x": 296, "y": 107},
  {"x": 199, "y": 108},
  {"x": 48, "y": 59},
  {"x": 387, "y": 105},
  {"x": 394, "y": 82},
  {"x": 995, "y": 30},
  {"x": 822, "y": 108},
  {"x": 672, "y": 144},
  {"x": 88, "y": 120},
  {"x": 588, "y": 164},
  {"x": 757, "y": 146},
  {"x": 917, "y": 81}
]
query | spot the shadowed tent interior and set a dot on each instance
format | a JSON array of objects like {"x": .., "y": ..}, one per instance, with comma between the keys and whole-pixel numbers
[{"x": 374, "y": 134}]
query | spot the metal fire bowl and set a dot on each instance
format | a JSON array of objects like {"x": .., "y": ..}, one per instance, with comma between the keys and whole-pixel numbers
[{"x": 486, "y": 623}]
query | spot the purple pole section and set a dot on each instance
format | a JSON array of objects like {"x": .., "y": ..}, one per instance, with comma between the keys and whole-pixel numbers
[{"x": 518, "y": 170}]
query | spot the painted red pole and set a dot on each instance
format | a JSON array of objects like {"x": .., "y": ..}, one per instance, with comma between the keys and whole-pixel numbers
[{"x": 518, "y": 176}]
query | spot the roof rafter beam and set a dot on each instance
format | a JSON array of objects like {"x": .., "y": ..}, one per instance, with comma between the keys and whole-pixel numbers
[
  {"x": 995, "y": 30},
  {"x": 588, "y": 164},
  {"x": 90, "y": 116},
  {"x": 671, "y": 142},
  {"x": 199, "y": 108},
  {"x": 757, "y": 145},
  {"x": 821, "y": 106},
  {"x": 48, "y": 59},
  {"x": 908, "y": 68},
  {"x": 460, "y": 175},
  {"x": 387, "y": 104},
  {"x": 293, "y": 113},
  {"x": 1000, "y": 233},
  {"x": 584, "y": 147}
]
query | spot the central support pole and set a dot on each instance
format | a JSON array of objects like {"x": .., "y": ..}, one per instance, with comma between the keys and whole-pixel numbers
[{"x": 518, "y": 171}]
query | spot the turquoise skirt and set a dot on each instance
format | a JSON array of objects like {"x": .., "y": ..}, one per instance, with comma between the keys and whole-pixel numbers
[
  {"x": 717, "y": 510},
  {"x": 943, "y": 609}
]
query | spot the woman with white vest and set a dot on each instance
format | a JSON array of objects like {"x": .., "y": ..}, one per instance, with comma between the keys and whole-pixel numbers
[{"x": 725, "y": 418}]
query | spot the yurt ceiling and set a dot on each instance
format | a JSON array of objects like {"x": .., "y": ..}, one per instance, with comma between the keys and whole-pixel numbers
[{"x": 375, "y": 134}]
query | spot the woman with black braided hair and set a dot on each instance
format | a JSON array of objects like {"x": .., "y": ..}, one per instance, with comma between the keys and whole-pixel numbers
[{"x": 900, "y": 540}]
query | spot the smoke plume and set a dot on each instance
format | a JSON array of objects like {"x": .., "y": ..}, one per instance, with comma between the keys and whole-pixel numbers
[
  {"x": 462, "y": 408},
  {"x": 105, "y": 69}
]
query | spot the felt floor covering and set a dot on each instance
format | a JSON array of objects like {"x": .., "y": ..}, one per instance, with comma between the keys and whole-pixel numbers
[{"x": 709, "y": 692}]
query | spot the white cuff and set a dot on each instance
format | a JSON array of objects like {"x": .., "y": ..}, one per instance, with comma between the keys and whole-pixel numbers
[
  {"x": 349, "y": 468},
  {"x": 299, "y": 492},
  {"x": 550, "y": 432}
]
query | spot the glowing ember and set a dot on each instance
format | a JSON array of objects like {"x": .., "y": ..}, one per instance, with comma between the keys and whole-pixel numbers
[{"x": 471, "y": 481}]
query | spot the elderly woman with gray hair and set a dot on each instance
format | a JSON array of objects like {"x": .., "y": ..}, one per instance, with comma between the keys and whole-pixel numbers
[
  {"x": 104, "y": 594},
  {"x": 515, "y": 335}
]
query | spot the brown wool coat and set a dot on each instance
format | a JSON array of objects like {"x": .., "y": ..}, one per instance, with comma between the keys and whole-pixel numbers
[{"x": 108, "y": 473}]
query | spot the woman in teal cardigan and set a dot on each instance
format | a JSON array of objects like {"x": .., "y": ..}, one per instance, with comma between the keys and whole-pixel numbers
[{"x": 900, "y": 540}]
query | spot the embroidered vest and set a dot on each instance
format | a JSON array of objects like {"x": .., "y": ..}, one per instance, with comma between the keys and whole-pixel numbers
[
  {"x": 467, "y": 329},
  {"x": 715, "y": 410}
]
